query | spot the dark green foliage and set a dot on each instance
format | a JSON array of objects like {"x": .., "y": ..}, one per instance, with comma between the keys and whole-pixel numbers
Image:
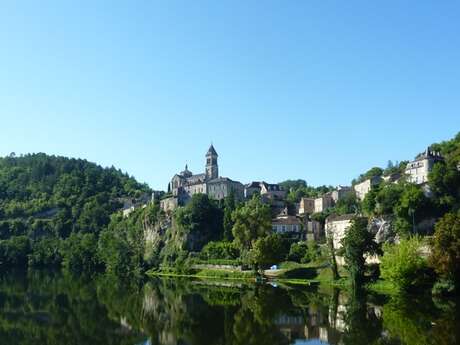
[
  {"x": 373, "y": 172},
  {"x": 79, "y": 253},
  {"x": 49, "y": 198},
  {"x": 444, "y": 182},
  {"x": 445, "y": 256},
  {"x": 199, "y": 222},
  {"x": 220, "y": 250},
  {"x": 269, "y": 250},
  {"x": 297, "y": 251},
  {"x": 303, "y": 252},
  {"x": 297, "y": 189},
  {"x": 348, "y": 204},
  {"x": 46, "y": 252},
  {"x": 251, "y": 221},
  {"x": 229, "y": 207},
  {"x": 357, "y": 243},
  {"x": 14, "y": 252}
]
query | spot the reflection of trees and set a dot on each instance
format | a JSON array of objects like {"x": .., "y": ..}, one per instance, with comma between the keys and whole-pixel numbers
[
  {"x": 60, "y": 309},
  {"x": 56, "y": 309},
  {"x": 419, "y": 321},
  {"x": 362, "y": 323}
]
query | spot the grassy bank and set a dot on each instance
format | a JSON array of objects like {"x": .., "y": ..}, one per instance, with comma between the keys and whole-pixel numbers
[
  {"x": 288, "y": 273},
  {"x": 225, "y": 274}
]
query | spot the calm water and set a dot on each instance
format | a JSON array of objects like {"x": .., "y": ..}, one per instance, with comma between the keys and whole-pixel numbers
[{"x": 51, "y": 308}]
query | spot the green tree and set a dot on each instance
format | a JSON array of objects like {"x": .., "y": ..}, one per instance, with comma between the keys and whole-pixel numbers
[
  {"x": 14, "y": 252},
  {"x": 79, "y": 253},
  {"x": 201, "y": 220},
  {"x": 444, "y": 182},
  {"x": 297, "y": 251},
  {"x": 402, "y": 263},
  {"x": 357, "y": 243},
  {"x": 332, "y": 255},
  {"x": 251, "y": 221},
  {"x": 411, "y": 207},
  {"x": 229, "y": 207},
  {"x": 269, "y": 250},
  {"x": 445, "y": 256}
]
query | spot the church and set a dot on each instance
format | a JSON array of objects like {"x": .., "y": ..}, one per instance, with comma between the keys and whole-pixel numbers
[{"x": 185, "y": 184}]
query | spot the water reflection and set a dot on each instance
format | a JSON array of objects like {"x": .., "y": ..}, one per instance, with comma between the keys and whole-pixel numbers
[{"x": 51, "y": 308}]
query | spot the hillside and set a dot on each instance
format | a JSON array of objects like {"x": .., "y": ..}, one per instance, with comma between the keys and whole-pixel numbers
[{"x": 44, "y": 199}]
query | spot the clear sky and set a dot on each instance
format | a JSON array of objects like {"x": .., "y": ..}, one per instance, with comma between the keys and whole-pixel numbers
[{"x": 319, "y": 90}]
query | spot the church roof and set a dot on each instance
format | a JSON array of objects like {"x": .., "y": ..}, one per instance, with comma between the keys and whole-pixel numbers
[
  {"x": 195, "y": 179},
  {"x": 186, "y": 172},
  {"x": 212, "y": 151}
]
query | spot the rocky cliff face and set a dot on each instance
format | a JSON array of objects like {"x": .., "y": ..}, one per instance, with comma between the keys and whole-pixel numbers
[
  {"x": 154, "y": 235},
  {"x": 383, "y": 229}
]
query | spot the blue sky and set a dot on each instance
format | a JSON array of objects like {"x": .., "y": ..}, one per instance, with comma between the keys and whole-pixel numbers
[{"x": 319, "y": 90}]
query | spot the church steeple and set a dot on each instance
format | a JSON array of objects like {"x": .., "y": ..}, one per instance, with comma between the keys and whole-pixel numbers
[{"x": 212, "y": 169}]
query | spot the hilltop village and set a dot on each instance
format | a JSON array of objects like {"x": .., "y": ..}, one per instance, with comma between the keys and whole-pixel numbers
[
  {"x": 103, "y": 219},
  {"x": 298, "y": 220}
]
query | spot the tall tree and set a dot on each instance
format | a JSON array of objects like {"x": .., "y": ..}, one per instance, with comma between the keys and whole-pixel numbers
[
  {"x": 252, "y": 220},
  {"x": 229, "y": 207},
  {"x": 356, "y": 244},
  {"x": 445, "y": 256}
]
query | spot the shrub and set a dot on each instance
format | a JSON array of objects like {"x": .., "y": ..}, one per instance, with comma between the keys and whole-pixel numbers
[
  {"x": 445, "y": 257},
  {"x": 297, "y": 251},
  {"x": 403, "y": 265},
  {"x": 220, "y": 250}
]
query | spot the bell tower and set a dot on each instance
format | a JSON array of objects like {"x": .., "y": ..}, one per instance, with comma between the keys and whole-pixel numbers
[{"x": 212, "y": 169}]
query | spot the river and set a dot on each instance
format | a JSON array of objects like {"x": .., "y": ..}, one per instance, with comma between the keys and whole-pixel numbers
[{"x": 53, "y": 308}]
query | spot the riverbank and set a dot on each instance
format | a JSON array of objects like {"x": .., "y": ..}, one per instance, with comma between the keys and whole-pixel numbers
[{"x": 287, "y": 273}]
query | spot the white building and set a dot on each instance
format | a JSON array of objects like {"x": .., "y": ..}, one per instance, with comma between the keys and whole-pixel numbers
[
  {"x": 337, "y": 226},
  {"x": 361, "y": 189},
  {"x": 286, "y": 224},
  {"x": 417, "y": 171},
  {"x": 324, "y": 202}
]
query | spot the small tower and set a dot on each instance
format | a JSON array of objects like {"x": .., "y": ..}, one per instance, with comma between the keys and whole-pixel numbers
[{"x": 212, "y": 169}]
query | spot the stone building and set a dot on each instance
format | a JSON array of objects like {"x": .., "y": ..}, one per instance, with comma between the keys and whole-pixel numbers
[
  {"x": 287, "y": 224},
  {"x": 361, "y": 189},
  {"x": 307, "y": 206},
  {"x": 324, "y": 202},
  {"x": 337, "y": 226},
  {"x": 185, "y": 184},
  {"x": 250, "y": 189},
  {"x": 272, "y": 191},
  {"x": 340, "y": 192},
  {"x": 272, "y": 194},
  {"x": 417, "y": 171}
]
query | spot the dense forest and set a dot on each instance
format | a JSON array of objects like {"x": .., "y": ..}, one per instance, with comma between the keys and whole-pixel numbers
[{"x": 52, "y": 209}]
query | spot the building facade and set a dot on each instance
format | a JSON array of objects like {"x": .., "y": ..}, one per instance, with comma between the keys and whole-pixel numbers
[
  {"x": 417, "y": 171},
  {"x": 341, "y": 192},
  {"x": 185, "y": 184},
  {"x": 361, "y": 189},
  {"x": 307, "y": 206},
  {"x": 337, "y": 226},
  {"x": 324, "y": 202},
  {"x": 287, "y": 224}
]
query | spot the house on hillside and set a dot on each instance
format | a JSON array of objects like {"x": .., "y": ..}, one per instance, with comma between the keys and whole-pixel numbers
[
  {"x": 341, "y": 192},
  {"x": 284, "y": 223},
  {"x": 418, "y": 170},
  {"x": 361, "y": 189},
  {"x": 307, "y": 206},
  {"x": 324, "y": 202}
]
